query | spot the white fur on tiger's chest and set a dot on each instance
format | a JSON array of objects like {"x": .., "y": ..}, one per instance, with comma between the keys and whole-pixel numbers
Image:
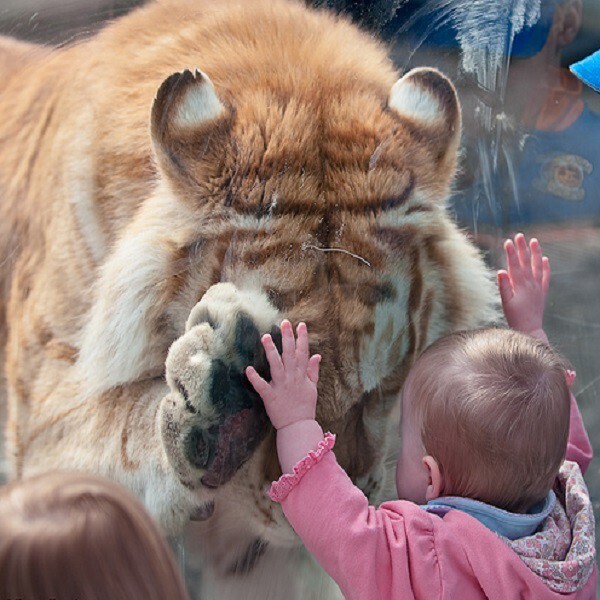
[{"x": 376, "y": 355}]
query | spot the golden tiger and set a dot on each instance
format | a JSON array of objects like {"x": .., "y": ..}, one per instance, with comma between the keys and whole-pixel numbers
[{"x": 170, "y": 190}]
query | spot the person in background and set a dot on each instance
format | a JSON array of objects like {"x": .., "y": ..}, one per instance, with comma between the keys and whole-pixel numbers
[
  {"x": 70, "y": 536},
  {"x": 493, "y": 503},
  {"x": 544, "y": 167}
]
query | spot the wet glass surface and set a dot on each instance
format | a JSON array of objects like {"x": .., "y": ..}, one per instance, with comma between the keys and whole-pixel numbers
[{"x": 531, "y": 145}]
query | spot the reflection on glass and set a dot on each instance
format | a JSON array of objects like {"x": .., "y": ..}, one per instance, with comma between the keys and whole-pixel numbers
[
  {"x": 531, "y": 151},
  {"x": 530, "y": 144}
]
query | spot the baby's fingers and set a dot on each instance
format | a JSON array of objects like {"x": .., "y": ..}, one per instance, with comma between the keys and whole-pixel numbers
[
  {"x": 288, "y": 344},
  {"x": 258, "y": 383},
  {"x": 313, "y": 368},
  {"x": 545, "y": 274},
  {"x": 523, "y": 254},
  {"x": 505, "y": 287},
  {"x": 513, "y": 265},
  {"x": 273, "y": 357},
  {"x": 302, "y": 347},
  {"x": 536, "y": 260}
]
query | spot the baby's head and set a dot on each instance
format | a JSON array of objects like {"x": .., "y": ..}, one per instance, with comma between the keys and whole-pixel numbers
[{"x": 485, "y": 416}]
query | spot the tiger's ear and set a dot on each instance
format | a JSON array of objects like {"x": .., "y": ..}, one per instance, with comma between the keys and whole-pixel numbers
[
  {"x": 189, "y": 125},
  {"x": 428, "y": 99}
]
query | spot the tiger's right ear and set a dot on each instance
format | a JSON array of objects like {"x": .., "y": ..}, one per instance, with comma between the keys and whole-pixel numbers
[{"x": 189, "y": 125}]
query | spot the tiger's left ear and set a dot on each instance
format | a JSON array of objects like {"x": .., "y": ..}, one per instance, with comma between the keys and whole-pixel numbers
[
  {"x": 189, "y": 126},
  {"x": 428, "y": 99}
]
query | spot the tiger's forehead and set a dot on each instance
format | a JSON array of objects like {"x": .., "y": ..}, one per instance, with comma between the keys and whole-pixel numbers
[
  {"x": 303, "y": 167},
  {"x": 323, "y": 138},
  {"x": 287, "y": 195}
]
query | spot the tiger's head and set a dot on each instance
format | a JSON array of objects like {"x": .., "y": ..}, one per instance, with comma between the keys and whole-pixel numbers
[
  {"x": 327, "y": 196},
  {"x": 298, "y": 169}
]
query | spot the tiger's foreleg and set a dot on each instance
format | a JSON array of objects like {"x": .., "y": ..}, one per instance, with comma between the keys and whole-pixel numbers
[{"x": 116, "y": 434}]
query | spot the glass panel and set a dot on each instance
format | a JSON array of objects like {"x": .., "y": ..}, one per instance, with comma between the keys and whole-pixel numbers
[{"x": 530, "y": 149}]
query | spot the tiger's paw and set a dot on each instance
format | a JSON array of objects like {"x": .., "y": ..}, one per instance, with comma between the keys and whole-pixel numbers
[{"x": 213, "y": 420}]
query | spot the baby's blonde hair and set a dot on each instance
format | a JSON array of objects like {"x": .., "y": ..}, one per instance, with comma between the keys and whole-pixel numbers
[{"x": 493, "y": 407}]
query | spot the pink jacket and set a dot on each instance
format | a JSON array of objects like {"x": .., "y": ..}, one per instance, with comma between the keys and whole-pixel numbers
[{"x": 402, "y": 551}]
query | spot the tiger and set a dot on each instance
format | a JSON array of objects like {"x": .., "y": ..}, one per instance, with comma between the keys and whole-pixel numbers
[{"x": 170, "y": 189}]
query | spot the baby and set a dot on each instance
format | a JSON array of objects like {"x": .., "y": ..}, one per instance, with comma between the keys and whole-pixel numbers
[{"x": 493, "y": 502}]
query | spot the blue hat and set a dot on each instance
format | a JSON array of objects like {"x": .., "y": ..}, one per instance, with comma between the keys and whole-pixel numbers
[
  {"x": 588, "y": 70},
  {"x": 530, "y": 40}
]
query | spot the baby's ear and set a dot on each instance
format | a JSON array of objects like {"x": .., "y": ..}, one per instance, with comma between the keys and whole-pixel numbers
[
  {"x": 189, "y": 124},
  {"x": 428, "y": 101},
  {"x": 435, "y": 478}
]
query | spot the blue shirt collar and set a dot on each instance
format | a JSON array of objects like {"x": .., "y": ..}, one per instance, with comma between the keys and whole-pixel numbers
[{"x": 510, "y": 525}]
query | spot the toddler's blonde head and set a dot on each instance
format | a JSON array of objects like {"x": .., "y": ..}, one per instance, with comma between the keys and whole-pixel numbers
[{"x": 493, "y": 409}]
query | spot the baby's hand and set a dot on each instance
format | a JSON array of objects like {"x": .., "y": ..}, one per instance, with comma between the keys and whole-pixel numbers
[
  {"x": 291, "y": 395},
  {"x": 523, "y": 287}
]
